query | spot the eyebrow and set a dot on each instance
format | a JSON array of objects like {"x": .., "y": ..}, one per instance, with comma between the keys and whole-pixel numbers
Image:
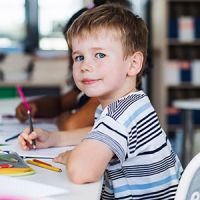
[
  {"x": 75, "y": 52},
  {"x": 94, "y": 49}
]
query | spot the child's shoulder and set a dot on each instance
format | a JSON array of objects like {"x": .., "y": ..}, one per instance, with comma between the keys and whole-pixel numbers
[{"x": 130, "y": 101}]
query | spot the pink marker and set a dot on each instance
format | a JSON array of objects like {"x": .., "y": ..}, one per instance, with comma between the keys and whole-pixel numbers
[
  {"x": 21, "y": 94},
  {"x": 28, "y": 108}
]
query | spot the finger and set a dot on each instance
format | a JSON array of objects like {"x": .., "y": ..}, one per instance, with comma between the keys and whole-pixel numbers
[
  {"x": 56, "y": 159},
  {"x": 26, "y": 136},
  {"x": 59, "y": 158},
  {"x": 33, "y": 135},
  {"x": 23, "y": 143}
]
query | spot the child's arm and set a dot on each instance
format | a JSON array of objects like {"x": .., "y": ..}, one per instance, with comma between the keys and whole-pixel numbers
[
  {"x": 71, "y": 121},
  {"x": 87, "y": 162},
  {"x": 48, "y": 106}
]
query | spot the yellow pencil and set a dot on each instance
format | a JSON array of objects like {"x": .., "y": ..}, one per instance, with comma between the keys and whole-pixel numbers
[
  {"x": 44, "y": 166},
  {"x": 15, "y": 170}
]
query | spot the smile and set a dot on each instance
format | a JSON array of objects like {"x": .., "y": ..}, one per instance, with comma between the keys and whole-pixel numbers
[{"x": 89, "y": 81}]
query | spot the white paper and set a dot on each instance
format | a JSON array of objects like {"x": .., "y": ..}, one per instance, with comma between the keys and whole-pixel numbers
[
  {"x": 37, "y": 153},
  {"x": 42, "y": 153},
  {"x": 7, "y": 131},
  {"x": 12, "y": 186}
]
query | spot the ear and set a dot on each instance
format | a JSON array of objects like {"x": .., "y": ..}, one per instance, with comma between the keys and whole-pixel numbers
[{"x": 136, "y": 62}]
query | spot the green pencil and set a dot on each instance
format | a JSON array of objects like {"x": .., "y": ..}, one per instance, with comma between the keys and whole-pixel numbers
[
  {"x": 1, "y": 145},
  {"x": 7, "y": 158}
]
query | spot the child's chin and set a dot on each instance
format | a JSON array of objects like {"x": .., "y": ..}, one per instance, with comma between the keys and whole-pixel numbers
[{"x": 91, "y": 93}]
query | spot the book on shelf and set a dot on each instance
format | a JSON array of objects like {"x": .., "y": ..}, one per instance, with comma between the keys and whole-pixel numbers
[
  {"x": 172, "y": 73},
  {"x": 173, "y": 28},
  {"x": 173, "y": 116},
  {"x": 182, "y": 72},
  {"x": 195, "y": 65},
  {"x": 185, "y": 72},
  {"x": 186, "y": 29},
  {"x": 197, "y": 27}
]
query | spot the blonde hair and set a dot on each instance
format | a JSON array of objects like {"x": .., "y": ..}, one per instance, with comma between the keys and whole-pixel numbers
[{"x": 131, "y": 28}]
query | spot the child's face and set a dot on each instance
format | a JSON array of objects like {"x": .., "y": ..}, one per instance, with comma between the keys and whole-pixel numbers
[{"x": 100, "y": 68}]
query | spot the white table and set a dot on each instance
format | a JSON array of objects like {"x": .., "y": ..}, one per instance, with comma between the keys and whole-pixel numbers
[
  {"x": 187, "y": 106},
  {"x": 76, "y": 192}
]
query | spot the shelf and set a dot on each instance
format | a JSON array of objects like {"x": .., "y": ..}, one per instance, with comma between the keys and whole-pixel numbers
[
  {"x": 173, "y": 128},
  {"x": 183, "y": 86},
  {"x": 176, "y": 42},
  {"x": 177, "y": 54},
  {"x": 184, "y": 1}
]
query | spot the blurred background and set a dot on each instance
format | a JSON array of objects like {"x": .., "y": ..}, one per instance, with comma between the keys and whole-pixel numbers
[{"x": 34, "y": 54}]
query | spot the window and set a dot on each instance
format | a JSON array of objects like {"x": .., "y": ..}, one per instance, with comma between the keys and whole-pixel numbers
[
  {"x": 21, "y": 20},
  {"x": 52, "y": 17},
  {"x": 12, "y": 23}
]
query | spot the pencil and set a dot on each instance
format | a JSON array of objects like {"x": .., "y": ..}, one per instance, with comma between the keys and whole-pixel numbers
[
  {"x": 31, "y": 127},
  {"x": 28, "y": 108},
  {"x": 44, "y": 166},
  {"x": 12, "y": 138},
  {"x": 41, "y": 162},
  {"x": 15, "y": 170},
  {"x": 5, "y": 166},
  {"x": 7, "y": 158}
]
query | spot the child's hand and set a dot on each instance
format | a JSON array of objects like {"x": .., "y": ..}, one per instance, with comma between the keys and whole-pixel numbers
[
  {"x": 41, "y": 136},
  {"x": 62, "y": 157},
  {"x": 21, "y": 112}
]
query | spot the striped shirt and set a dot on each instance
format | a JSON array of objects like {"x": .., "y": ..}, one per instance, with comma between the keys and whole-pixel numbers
[{"x": 144, "y": 166}]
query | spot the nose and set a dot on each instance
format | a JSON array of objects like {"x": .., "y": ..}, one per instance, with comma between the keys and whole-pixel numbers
[{"x": 86, "y": 67}]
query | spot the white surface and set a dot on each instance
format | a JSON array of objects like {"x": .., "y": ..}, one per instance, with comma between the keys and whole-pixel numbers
[
  {"x": 188, "y": 104},
  {"x": 7, "y": 106},
  {"x": 76, "y": 192},
  {"x": 60, "y": 179},
  {"x": 187, "y": 177},
  {"x": 13, "y": 129},
  {"x": 20, "y": 187}
]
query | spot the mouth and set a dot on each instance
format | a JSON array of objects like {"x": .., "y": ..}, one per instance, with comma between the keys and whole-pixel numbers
[{"x": 87, "y": 81}]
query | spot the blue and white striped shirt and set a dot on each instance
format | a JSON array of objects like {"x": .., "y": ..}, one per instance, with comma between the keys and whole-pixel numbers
[{"x": 144, "y": 165}]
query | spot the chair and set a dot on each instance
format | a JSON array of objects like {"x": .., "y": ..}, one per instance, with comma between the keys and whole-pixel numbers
[{"x": 189, "y": 186}]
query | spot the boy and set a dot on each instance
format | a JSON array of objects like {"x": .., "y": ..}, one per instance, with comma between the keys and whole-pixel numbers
[
  {"x": 69, "y": 108},
  {"x": 126, "y": 143}
]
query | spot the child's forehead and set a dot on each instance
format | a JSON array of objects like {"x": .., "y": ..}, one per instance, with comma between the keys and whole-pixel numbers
[{"x": 96, "y": 33}]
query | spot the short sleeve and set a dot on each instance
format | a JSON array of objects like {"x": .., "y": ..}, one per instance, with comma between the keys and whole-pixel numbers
[{"x": 113, "y": 134}]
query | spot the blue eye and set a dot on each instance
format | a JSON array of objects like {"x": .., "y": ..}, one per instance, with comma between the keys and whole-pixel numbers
[
  {"x": 79, "y": 58},
  {"x": 100, "y": 55}
]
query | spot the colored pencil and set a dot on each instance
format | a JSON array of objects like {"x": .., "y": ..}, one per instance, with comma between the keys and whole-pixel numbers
[
  {"x": 44, "y": 166},
  {"x": 28, "y": 108}
]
